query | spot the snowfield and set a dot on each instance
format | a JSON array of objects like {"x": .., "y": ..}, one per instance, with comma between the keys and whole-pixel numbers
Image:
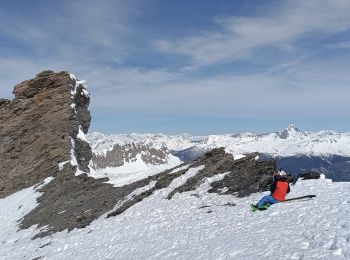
[{"x": 194, "y": 225}]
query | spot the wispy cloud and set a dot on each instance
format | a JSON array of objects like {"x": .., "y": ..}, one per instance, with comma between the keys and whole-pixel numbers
[
  {"x": 80, "y": 36},
  {"x": 239, "y": 38},
  {"x": 340, "y": 45},
  {"x": 77, "y": 26},
  {"x": 304, "y": 91}
]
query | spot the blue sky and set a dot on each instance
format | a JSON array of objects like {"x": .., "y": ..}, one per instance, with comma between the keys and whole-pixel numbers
[{"x": 195, "y": 66}]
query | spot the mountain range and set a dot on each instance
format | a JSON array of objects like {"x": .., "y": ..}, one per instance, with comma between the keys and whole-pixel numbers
[{"x": 296, "y": 151}]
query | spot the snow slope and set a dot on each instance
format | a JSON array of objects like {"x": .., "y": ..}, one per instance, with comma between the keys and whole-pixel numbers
[
  {"x": 133, "y": 171},
  {"x": 181, "y": 228}
]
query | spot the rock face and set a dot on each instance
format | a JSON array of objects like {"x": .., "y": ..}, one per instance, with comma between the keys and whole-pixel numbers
[
  {"x": 310, "y": 175},
  {"x": 243, "y": 176},
  {"x": 120, "y": 154},
  {"x": 38, "y": 129}
]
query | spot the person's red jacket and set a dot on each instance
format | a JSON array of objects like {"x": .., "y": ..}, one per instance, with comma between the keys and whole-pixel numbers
[{"x": 280, "y": 188}]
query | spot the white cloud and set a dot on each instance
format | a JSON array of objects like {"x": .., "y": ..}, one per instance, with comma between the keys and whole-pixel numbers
[
  {"x": 340, "y": 45},
  {"x": 80, "y": 36},
  {"x": 239, "y": 37},
  {"x": 309, "y": 90},
  {"x": 302, "y": 90},
  {"x": 91, "y": 31}
]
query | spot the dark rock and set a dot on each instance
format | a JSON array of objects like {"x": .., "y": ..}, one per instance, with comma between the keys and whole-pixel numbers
[
  {"x": 37, "y": 258},
  {"x": 245, "y": 176},
  {"x": 3, "y": 102},
  {"x": 128, "y": 152},
  {"x": 82, "y": 101},
  {"x": 189, "y": 154},
  {"x": 310, "y": 175},
  {"x": 35, "y": 131},
  {"x": 42, "y": 246},
  {"x": 83, "y": 154}
]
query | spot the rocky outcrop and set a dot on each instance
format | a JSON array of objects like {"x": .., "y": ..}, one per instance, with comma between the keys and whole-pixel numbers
[
  {"x": 242, "y": 177},
  {"x": 189, "y": 154},
  {"x": 310, "y": 175},
  {"x": 70, "y": 201},
  {"x": 121, "y": 154},
  {"x": 39, "y": 128}
]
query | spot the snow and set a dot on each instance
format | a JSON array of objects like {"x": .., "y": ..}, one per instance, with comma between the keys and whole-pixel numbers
[
  {"x": 132, "y": 171},
  {"x": 238, "y": 156},
  {"x": 12, "y": 209},
  {"x": 78, "y": 83},
  {"x": 183, "y": 178},
  {"x": 81, "y": 134},
  {"x": 158, "y": 228},
  {"x": 85, "y": 92},
  {"x": 180, "y": 168},
  {"x": 205, "y": 186},
  {"x": 73, "y": 159},
  {"x": 61, "y": 165}
]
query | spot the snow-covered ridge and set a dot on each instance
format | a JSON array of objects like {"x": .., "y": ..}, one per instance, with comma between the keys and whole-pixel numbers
[
  {"x": 102, "y": 143},
  {"x": 288, "y": 142},
  {"x": 128, "y": 158}
]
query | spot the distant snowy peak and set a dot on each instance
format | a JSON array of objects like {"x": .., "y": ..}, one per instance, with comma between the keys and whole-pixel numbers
[{"x": 291, "y": 131}]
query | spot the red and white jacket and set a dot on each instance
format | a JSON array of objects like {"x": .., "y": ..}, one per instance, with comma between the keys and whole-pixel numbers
[{"x": 279, "y": 188}]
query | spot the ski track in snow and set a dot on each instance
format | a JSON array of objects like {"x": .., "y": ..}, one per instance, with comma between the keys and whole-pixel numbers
[{"x": 158, "y": 228}]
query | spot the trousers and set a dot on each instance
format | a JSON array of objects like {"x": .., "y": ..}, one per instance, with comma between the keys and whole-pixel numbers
[{"x": 266, "y": 199}]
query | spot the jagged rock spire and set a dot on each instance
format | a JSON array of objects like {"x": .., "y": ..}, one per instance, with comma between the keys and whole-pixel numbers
[{"x": 38, "y": 130}]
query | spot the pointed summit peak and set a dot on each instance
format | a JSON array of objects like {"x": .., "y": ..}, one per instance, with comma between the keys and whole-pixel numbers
[
  {"x": 290, "y": 130},
  {"x": 292, "y": 127}
]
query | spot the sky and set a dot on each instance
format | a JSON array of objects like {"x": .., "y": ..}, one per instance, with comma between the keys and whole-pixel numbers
[{"x": 189, "y": 66}]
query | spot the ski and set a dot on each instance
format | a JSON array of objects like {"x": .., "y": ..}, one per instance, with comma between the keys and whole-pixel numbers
[
  {"x": 306, "y": 197},
  {"x": 300, "y": 198}
]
